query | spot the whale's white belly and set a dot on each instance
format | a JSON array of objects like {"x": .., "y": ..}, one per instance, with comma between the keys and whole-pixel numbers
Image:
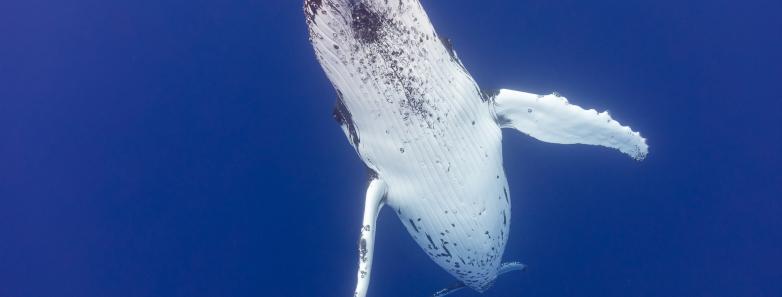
[
  {"x": 457, "y": 210},
  {"x": 450, "y": 192},
  {"x": 422, "y": 124}
]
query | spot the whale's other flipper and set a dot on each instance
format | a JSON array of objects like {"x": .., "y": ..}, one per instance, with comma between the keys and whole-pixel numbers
[
  {"x": 376, "y": 193},
  {"x": 504, "y": 268},
  {"x": 553, "y": 119}
]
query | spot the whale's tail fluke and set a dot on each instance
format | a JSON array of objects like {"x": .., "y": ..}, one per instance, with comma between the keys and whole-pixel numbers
[
  {"x": 450, "y": 289},
  {"x": 504, "y": 268}
]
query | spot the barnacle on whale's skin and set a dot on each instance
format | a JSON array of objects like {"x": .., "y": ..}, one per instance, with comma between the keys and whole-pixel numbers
[{"x": 431, "y": 137}]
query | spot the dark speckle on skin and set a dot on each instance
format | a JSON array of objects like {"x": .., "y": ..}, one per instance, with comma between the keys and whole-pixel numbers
[
  {"x": 414, "y": 226},
  {"x": 443, "y": 244},
  {"x": 431, "y": 241},
  {"x": 362, "y": 248}
]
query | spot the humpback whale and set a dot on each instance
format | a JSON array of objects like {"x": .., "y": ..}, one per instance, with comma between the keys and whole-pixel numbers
[{"x": 431, "y": 137}]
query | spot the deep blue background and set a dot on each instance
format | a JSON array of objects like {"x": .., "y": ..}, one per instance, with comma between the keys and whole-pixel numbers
[{"x": 186, "y": 148}]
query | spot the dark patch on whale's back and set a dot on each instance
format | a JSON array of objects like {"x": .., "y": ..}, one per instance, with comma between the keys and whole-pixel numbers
[
  {"x": 367, "y": 24},
  {"x": 345, "y": 118}
]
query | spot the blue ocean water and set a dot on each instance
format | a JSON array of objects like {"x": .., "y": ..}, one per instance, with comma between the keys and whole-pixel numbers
[{"x": 187, "y": 148}]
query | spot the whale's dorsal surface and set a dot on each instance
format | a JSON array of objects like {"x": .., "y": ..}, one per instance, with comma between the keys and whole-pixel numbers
[{"x": 431, "y": 137}]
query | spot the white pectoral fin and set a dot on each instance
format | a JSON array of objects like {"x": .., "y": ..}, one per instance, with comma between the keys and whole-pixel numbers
[
  {"x": 553, "y": 119},
  {"x": 375, "y": 199}
]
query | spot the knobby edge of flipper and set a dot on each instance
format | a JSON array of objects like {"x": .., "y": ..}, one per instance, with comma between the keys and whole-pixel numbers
[{"x": 553, "y": 119}]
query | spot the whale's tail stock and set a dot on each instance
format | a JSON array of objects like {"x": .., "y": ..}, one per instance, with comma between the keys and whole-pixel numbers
[{"x": 504, "y": 268}]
